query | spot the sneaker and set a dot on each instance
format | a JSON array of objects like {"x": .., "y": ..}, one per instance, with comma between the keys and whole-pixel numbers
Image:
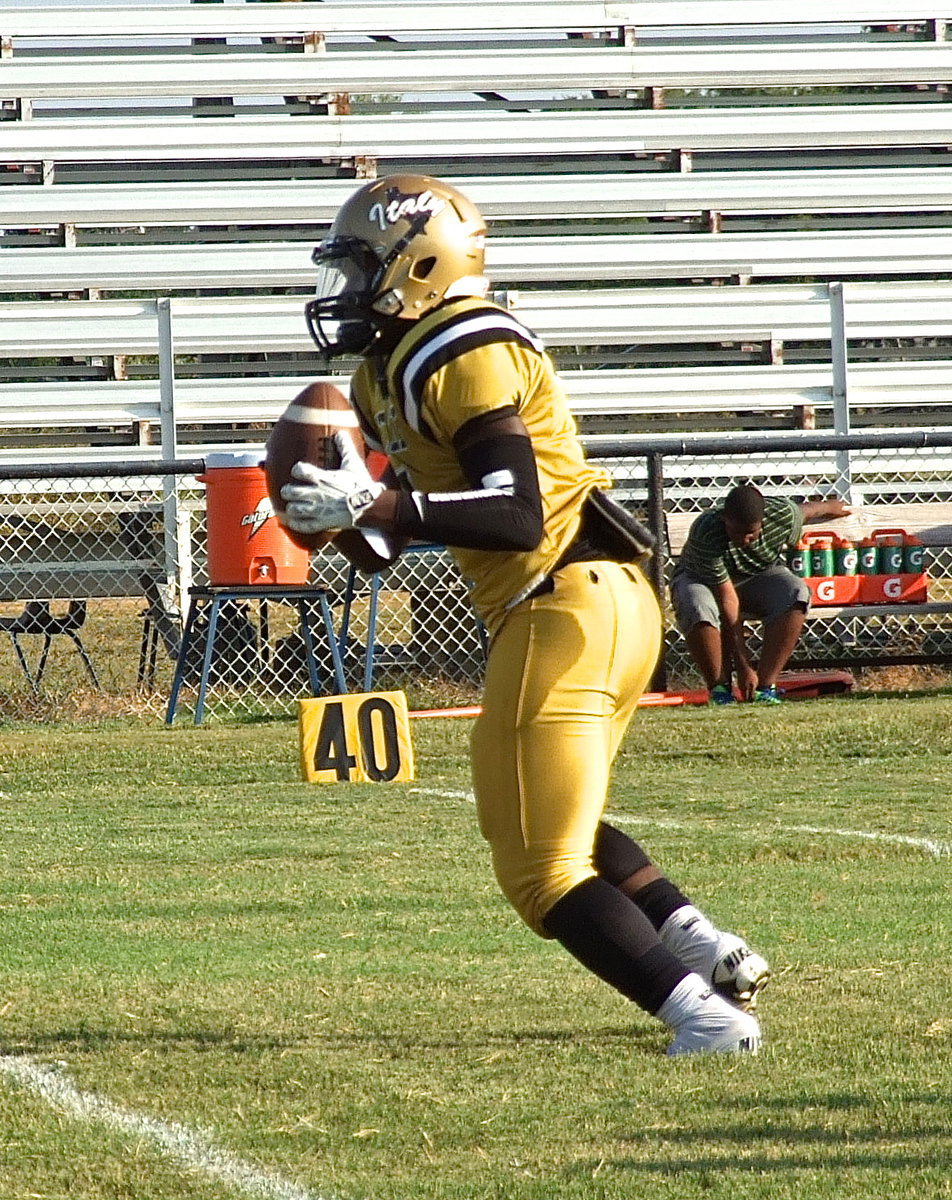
[
  {"x": 721, "y": 693},
  {"x": 723, "y": 960},
  {"x": 704, "y": 1023},
  {"x": 739, "y": 975},
  {"x": 767, "y": 695}
]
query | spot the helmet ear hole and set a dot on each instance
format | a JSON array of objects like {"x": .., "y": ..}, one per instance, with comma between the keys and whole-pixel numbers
[{"x": 423, "y": 268}]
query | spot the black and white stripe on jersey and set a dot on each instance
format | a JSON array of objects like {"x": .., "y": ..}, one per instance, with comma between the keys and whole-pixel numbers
[
  {"x": 467, "y": 331},
  {"x": 371, "y": 437}
]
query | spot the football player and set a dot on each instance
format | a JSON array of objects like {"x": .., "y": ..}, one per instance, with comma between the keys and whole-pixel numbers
[{"x": 485, "y": 459}]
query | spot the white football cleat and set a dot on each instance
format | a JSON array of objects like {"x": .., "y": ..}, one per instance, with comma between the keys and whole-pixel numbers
[
  {"x": 716, "y": 1027},
  {"x": 723, "y": 959},
  {"x": 705, "y": 1023},
  {"x": 739, "y": 974}
]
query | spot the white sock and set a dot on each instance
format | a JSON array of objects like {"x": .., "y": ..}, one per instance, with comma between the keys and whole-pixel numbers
[
  {"x": 690, "y": 936},
  {"x": 688, "y": 998}
]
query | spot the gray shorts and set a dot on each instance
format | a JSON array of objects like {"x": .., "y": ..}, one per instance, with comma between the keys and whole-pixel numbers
[{"x": 763, "y": 597}]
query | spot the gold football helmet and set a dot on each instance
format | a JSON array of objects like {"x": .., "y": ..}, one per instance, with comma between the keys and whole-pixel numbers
[{"x": 398, "y": 247}]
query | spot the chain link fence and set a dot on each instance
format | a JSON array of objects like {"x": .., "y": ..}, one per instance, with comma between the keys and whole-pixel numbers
[
  {"x": 96, "y": 570},
  {"x": 890, "y": 478},
  {"x": 96, "y": 575}
]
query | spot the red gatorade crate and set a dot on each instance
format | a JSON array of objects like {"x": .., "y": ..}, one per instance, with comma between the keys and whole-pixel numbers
[
  {"x": 837, "y": 582},
  {"x": 894, "y": 583},
  {"x": 834, "y": 589},
  {"x": 893, "y": 589}
]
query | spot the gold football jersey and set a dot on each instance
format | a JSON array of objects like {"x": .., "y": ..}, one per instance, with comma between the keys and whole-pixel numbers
[{"x": 467, "y": 358}]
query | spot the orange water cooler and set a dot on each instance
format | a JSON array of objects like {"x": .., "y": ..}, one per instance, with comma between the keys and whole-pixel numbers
[{"x": 246, "y": 545}]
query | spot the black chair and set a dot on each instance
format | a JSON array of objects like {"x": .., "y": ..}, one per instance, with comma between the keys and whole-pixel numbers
[{"x": 37, "y": 619}]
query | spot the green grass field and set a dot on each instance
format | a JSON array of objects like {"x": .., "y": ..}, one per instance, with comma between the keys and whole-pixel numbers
[{"x": 218, "y": 981}]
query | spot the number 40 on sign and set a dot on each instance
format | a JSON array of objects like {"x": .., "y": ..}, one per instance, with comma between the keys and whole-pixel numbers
[{"x": 356, "y": 739}]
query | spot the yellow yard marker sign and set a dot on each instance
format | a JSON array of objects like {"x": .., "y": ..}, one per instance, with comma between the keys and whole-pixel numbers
[{"x": 356, "y": 739}]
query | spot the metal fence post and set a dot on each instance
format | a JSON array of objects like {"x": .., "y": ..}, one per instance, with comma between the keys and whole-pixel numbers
[
  {"x": 655, "y": 476},
  {"x": 176, "y": 526},
  {"x": 839, "y": 357}
]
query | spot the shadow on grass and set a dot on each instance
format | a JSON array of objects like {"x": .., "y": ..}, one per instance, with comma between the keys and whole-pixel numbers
[
  {"x": 85, "y": 1038},
  {"x": 820, "y": 1133},
  {"x": 913, "y": 1147},
  {"x": 481, "y": 1041},
  {"x": 710, "y": 1164},
  {"x": 840, "y": 1101},
  {"x": 88, "y": 1038},
  {"x": 922, "y": 693}
]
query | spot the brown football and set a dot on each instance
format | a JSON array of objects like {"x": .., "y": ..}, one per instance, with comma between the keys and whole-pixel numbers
[{"x": 305, "y": 433}]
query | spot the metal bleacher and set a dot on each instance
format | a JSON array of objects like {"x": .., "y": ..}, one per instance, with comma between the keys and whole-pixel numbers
[
  {"x": 589, "y": 258},
  {"x": 672, "y": 188},
  {"x": 443, "y": 16},
  {"x": 601, "y": 400},
  {"x": 618, "y": 321}
]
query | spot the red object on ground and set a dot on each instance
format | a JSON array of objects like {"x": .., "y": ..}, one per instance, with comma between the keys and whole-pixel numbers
[{"x": 803, "y": 686}]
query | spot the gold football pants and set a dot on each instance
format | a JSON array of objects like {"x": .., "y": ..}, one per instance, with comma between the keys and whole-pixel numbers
[{"x": 564, "y": 675}]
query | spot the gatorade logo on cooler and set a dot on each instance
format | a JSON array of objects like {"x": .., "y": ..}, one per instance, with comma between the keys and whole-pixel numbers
[
  {"x": 892, "y": 587},
  {"x": 826, "y": 590},
  {"x": 263, "y": 512}
]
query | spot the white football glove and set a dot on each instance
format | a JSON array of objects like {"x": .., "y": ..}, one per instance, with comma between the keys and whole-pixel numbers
[
  {"x": 350, "y": 457},
  {"x": 323, "y": 500}
]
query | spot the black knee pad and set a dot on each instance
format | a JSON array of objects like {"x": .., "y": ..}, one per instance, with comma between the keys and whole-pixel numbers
[{"x": 616, "y": 857}]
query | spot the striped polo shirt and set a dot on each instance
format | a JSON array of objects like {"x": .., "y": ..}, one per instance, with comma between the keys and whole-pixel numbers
[{"x": 710, "y": 557}]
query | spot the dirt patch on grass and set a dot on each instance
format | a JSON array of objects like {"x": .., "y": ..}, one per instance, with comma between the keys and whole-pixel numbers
[{"x": 903, "y": 679}]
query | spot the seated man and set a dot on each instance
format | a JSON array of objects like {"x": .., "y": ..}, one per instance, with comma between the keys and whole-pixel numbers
[{"x": 732, "y": 567}]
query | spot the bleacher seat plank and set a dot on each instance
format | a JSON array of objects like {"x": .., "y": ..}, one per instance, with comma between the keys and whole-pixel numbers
[
  {"x": 620, "y": 315},
  {"x": 381, "y": 69},
  {"x": 467, "y": 135},
  {"x": 524, "y": 197},
  {"x": 375, "y": 16},
  {"x": 925, "y": 387},
  {"x": 510, "y": 260},
  {"x": 529, "y": 198},
  {"x": 423, "y": 16}
]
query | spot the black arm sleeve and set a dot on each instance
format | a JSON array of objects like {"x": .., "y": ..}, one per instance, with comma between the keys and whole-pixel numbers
[{"x": 501, "y": 511}]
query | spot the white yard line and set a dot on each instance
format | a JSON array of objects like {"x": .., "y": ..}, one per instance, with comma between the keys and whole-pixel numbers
[
  {"x": 190, "y": 1147},
  {"x": 934, "y": 846},
  {"x": 937, "y": 849}
]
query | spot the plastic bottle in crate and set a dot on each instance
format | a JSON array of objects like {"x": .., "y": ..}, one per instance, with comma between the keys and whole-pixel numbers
[
  {"x": 891, "y": 555},
  {"x": 913, "y": 555},
  {"x": 867, "y": 555},
  {"x": 821, "y": 556},
  {"x": 844, "y": 556},
  {"x": 798, "y": 559}
]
